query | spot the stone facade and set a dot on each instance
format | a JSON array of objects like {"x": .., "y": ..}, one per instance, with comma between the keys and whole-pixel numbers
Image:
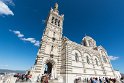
[{"x": 67, "y": 60}]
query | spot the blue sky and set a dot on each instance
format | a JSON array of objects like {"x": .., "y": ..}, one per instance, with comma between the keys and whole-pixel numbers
[{"x": 22, "y": 25}]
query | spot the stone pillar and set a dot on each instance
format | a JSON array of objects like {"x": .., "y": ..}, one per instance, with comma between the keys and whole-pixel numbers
[
  {"x": 42, "y": 69},
  {"x": 52, "y": 73},
  {"x": 55, "y": 74}
]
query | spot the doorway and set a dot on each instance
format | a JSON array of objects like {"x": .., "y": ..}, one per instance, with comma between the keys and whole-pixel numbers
[{"x": 48, "y": 68}]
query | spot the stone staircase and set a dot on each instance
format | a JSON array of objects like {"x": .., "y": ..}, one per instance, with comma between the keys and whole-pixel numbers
[{"x": 54, "y": 81}]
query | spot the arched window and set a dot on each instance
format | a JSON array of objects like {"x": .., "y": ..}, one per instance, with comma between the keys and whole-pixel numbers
[
  {"x": 76, "y": 57},
  {"x": 88, "y": 61},
  {"x": 96, "y": 61},
  {"x": 84, "y": 43},
  {"x": 104, "y": 58}
]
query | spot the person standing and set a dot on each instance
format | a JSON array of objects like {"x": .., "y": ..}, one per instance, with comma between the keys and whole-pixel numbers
[
  {"x": 100, "y": 80},
  {"x": 38, "y": 78}
]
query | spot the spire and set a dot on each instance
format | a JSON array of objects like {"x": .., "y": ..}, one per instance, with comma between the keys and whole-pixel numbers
[{"x": 56, "y": 7}]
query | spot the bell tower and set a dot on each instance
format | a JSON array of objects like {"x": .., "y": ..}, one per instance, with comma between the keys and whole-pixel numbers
[{"x": 50, "y": 48}]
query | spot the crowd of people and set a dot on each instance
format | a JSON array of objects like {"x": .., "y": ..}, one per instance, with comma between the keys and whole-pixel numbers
[
  {"x": 99, "y": 80},
  {"x": 22, "y": 77},
  {"x": 45, "y": 77},
  {"x": 26, "y": 78}
]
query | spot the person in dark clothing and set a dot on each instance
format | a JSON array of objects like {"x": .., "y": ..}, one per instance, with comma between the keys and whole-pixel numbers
[
  {"x": 26, "y": 76},
  {"x": 106, "y": 79},
  {"x": 100, "y": 80},
  {"x": 87, "y": 80},
  {"x": 114, "y": 80},
  {"x": 22, "y": 77},
  {"x": 91, "y": 80}
]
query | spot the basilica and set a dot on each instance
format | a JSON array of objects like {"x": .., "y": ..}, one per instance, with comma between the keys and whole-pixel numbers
[{"x": 65, "y": 60}]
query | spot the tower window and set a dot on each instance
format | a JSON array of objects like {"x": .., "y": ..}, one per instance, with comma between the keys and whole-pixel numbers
[
  {"x": 56, "y": 21},
  {"x": 52, "y": 20},
  {"x": 53, "y": 39},
  {"x": 54, "y": 34},
  {"x": 59, "y": 23},
  {"x": 52, "y": 48}
]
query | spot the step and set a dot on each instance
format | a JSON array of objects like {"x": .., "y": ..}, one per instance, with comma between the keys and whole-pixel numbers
[{"x": 53, "y": 81}]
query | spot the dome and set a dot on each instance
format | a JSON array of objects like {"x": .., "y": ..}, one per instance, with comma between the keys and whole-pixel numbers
[
  {"x": 88, "y": 41},
  {"x": 88, "y": 38}
]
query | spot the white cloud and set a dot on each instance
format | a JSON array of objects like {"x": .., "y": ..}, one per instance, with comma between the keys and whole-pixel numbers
[
  {"x": 4, "y": 9},
  {"x": 113, "y": 58},
  {"x": 32, "y": 40},
  {"x": 37, "y": 43},
  {"x": 21, "y": 36},
  {"x": 17, "y": 33}
]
